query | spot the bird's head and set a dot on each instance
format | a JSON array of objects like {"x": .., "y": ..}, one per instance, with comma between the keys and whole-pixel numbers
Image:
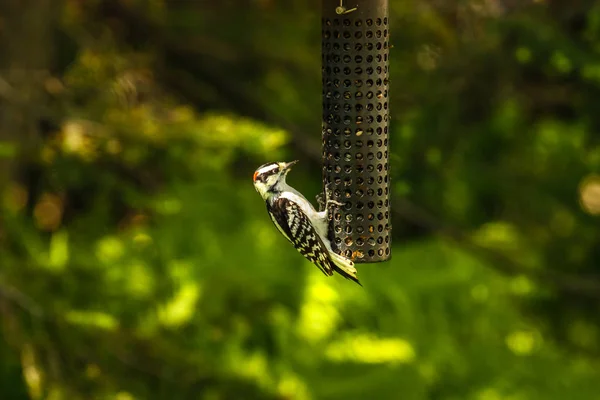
[{"x": 268, "y": 177}]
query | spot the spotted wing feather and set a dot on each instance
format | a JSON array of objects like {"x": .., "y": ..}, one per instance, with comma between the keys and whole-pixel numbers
[{"x": 293, "y": 223}]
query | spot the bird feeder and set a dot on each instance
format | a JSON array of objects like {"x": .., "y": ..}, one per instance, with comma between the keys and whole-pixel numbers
[{"x": 355, "y": 126}]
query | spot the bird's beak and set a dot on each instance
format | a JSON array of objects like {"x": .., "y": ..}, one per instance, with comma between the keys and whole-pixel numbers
[{"x": 289, "y": 165}]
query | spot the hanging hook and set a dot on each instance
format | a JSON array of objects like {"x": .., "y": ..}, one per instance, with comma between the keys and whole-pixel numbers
[{"x": 341, "y": 9}]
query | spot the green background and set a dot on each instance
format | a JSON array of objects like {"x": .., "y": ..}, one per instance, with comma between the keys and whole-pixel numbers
[{"x": 138, "y": 262}]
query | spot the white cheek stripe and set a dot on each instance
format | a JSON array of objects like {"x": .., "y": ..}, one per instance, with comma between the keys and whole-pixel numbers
[{"x": 267, "y": 168}]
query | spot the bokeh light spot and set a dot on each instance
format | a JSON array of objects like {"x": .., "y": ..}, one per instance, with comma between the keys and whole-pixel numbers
[
  {"x": 589, "y": 194},
  {"x": 521, "y": 342}
]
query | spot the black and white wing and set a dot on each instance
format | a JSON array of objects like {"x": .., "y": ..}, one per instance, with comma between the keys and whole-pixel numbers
[{"x": 293, "y": 223}]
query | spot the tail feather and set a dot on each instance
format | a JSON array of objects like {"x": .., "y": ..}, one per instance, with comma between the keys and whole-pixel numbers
[{"x": 344, "y": 267}]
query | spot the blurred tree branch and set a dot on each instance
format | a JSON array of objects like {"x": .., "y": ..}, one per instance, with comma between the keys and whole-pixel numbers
[
  {"x": 15, "y": 296},
  {"x": 26, "y": 46}
]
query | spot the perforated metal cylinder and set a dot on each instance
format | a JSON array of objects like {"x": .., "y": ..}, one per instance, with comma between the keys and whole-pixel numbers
[{"x": 355, "y": 126}]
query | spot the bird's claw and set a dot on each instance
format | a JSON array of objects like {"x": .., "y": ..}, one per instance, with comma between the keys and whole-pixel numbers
[
  {"x": 333, "y": 202},
  {"x": 321, "y": 202},
  {"x": 328, "y": 194}
]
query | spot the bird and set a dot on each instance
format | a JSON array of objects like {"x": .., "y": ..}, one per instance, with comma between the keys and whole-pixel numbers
[{"x": 299, "y": 222}]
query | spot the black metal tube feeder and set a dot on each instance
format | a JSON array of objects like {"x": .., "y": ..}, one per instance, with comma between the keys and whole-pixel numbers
[{"x": 355, "y": 126}]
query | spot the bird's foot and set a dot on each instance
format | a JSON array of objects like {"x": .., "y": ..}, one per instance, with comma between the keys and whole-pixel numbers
[
  {"x": 333, "y": 203},
  {"x": 320, "y": 202},
  {"x": 328, "y": 194}
]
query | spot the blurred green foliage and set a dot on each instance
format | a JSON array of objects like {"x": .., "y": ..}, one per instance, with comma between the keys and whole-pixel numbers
[{"x": 137, "y": 262}]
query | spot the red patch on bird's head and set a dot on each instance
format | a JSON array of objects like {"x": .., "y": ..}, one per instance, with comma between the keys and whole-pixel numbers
[{"x": 254, "y": 177}]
